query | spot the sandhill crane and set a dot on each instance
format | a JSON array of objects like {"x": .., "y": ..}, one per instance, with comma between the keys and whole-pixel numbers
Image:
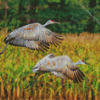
[
  {"x": 61, "y": 66},
  {"x": 33, "y": 36}
]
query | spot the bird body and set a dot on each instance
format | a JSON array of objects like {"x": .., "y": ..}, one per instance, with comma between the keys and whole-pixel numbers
[
  {"x": 51, "y": 63},
  {"x": 27, "y": 32},
  {"x": 34, "y": 36},
  {"x": 61, "y": 66}
]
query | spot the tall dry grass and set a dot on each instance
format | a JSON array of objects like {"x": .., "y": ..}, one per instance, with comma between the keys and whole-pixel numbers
[{"x": 16, "y": 64}]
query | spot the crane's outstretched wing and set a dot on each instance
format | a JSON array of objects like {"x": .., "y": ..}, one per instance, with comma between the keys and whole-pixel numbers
[
  {"x": 59, "y": 68},
  {"x": 37, "y": 45},
  {"x": 31, "y": 34},
  {"x": 76, "y": 76},
  {"x": 58, "y": 74}
]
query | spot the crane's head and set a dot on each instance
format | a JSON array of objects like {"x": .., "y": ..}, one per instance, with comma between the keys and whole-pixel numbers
[
  {"x": 50, "y": 22},
  {"x": 83, "y": 62},
  {"x": 53, "y": 22},
  {"x": 80, "y": 62}
]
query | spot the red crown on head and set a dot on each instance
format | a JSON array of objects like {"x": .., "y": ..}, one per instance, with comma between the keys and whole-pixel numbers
[
  {"x": 51, "y": 20},
  {"x": 82, "y": 60}
]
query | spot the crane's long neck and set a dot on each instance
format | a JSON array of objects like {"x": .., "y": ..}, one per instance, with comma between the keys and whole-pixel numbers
[
  {"x": 76, "y": 63},
  {"x": 46, "y": 23}
]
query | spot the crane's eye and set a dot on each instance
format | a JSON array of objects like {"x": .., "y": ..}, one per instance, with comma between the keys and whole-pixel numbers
[
  {"x": 82, "y": 60},
  {"x": 51, "y": 20}
]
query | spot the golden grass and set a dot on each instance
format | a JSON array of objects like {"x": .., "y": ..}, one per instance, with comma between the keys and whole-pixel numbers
[{"x": 16, "y": 64}]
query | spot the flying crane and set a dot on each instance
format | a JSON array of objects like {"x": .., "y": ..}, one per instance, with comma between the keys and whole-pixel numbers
[
  {"x": 33, "y": 36},
  {"x": 61, "y": 66}
]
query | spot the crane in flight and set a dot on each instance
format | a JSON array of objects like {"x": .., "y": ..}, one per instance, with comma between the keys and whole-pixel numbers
[
  {"x": 33, "y": 36},
  {"x": 61, "y": 66}
]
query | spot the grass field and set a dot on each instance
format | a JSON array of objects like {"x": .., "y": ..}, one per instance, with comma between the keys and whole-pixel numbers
[{"x": 16, "y": 64}]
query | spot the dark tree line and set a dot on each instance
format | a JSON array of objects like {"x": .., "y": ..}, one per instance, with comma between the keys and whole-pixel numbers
[{"x": 73, "y": 18}]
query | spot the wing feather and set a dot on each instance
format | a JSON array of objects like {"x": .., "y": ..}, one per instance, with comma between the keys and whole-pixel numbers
[
  {"x": 30, "y": 36},
  {"x": 56, "y": 66},
  {"x": 55, "y": 73},
  {"x": 30, "y": 44},
  {"x": 76, "y": 75},
  {"x": 34, "y": 32},
  {"x": 58, "y": 74},
  {"x": 62, "y": 75}
]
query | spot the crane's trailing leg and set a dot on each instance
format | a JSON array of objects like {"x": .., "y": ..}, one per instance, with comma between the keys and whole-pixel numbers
[
  {"x": 35, "y": 77},
  {"x": 32, "y": 83},
  {"x": 4, "y": 48}
]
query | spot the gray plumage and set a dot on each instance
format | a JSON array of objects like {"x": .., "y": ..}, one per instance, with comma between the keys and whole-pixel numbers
[
  {"x": 34, "y": 36},
  {"x": 61, "y": 66}
]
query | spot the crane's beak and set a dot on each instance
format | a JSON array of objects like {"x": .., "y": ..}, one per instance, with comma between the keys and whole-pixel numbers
[
  {"x": 87, "y": 63},
  {"x": 56, "y": 22}
]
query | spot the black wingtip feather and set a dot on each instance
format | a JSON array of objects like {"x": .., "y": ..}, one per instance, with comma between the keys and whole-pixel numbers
[
  {"x": 45, "y": 45},
  {"x": 78, "y": 77},
  {"x": 45, "y": 49},
  {"x": 81, "y": 73}
]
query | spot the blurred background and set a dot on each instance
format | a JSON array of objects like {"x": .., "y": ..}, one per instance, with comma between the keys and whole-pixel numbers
[{"x": 71, "y": 13}]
